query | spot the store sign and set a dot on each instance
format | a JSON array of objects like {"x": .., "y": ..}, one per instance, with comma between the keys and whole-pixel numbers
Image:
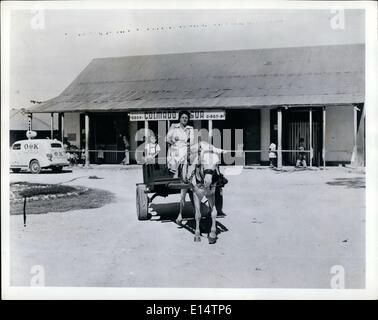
[
  {"x": 173, "y": 115},
  {"x": 153, "y": 115},
  {"x": 208, "y": 115}
]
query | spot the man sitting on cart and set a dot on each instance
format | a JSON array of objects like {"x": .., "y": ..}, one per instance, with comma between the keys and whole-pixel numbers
[{"x": 177, "y": 138}]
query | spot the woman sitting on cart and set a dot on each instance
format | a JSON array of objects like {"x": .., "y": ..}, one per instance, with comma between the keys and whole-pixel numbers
[{"x": 178, "y": 137}]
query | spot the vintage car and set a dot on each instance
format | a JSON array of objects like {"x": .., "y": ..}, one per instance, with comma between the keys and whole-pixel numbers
[{"x": 37, "y": 154}]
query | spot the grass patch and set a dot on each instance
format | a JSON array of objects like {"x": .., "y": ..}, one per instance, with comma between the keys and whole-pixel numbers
[
  {"x": 46, "y": 191},
  {"x": 90, "y": 199},
  {"x": 27, "y": 189}
]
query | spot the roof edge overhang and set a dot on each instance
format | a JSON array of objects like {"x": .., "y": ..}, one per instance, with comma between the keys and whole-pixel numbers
[{"x": 217, "y": 107}]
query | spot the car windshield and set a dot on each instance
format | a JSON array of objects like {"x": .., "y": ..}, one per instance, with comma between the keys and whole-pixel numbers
[{"x": 56, "y": 145}]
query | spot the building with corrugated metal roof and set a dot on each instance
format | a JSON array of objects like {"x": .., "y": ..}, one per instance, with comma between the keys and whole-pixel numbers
[{"x": 273, "y": 95}]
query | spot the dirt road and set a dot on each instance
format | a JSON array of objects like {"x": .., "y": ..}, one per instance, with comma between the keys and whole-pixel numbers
[{"x": 281, "y": 230}]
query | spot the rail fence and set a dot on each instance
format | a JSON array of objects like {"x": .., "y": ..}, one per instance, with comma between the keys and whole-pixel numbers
[{"x": 289, "y": 157}]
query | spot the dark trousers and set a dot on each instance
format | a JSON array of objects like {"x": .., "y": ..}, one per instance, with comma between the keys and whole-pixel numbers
[{"x": 273, "y": 162}]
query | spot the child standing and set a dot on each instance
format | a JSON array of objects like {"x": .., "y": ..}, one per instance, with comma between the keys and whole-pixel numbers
[
  {"x": 151, "y": 149},
  {"x": 301, "y": 161},
  {"x": 272, "y": 156}
]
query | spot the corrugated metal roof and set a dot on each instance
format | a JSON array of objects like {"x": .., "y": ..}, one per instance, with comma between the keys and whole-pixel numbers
[{"x": 228, "y": 79}]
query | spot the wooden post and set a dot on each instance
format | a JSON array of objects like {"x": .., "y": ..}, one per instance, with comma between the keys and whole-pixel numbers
[
  {"x": 355, "y": 124},
  {"x": 279, "y": 138},
  {"x": 87, "y": 140},
  {"x": 355, "y": 129},
  {"x": 145, "y": 130},
  {"x": 52, "y": 125},
  {"x": 62, "y": 126},
  {"x": 145, "y": 135},
  {"x": 311, "y": 155},
  {"x": 324, "y": 137},
  {"x": 24, "y": 211},
  {"x": 210, "y": 131}
]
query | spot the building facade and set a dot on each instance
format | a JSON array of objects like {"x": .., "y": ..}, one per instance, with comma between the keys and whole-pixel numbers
[{"x": 266, "y": 95}]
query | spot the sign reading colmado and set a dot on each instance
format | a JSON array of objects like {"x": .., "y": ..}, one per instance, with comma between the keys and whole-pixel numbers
[{"x": 173, "y": 115}]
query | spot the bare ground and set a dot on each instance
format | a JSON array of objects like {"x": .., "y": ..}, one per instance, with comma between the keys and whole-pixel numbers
[{"x": 281, "y": 230}]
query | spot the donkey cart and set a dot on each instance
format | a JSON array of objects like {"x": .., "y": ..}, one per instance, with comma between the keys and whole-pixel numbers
[{"x": 158, "y": 181}]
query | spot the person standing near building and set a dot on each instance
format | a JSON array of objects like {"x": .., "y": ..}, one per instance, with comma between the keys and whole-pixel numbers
[
  {"x": 100, "y": 155},
  {"x": 301, "y": 161},
  {"x": 151, "y": 149},
  {"x": 126, "y": 160},
  {"x": 74, "y": 155},
  {"x": 272, "y": 156},
  {"x": 69, "y": 156},
  {"x": 82, "y": 157},
  {"x": 178, "y": 137}
]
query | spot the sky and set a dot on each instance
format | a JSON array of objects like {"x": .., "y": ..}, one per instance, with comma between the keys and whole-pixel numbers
[{"x": 48, "y": 49}]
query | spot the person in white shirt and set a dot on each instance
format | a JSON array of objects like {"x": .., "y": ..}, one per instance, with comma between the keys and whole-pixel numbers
[
  {"x": 206, "y": 150},
  {"x": 179, "y": 137},
  {"x": 272, "y": 155},
  {"x": 151, "y": 149}
]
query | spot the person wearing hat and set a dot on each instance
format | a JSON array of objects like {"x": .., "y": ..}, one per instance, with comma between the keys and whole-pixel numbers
[{"x": 178, "y": 137}]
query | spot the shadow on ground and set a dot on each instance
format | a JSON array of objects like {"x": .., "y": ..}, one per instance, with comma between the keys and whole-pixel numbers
[
  {"x": 168, "y": 212},
  {"x": 43, "y": 172},
  {"x": 355, "y": 183}
]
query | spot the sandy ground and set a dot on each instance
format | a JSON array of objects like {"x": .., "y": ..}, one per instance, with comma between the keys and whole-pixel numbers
[{"x": 281, "y": 230}]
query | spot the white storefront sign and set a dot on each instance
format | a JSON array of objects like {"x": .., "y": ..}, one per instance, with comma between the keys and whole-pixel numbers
[{"x": 173, "y": 115}]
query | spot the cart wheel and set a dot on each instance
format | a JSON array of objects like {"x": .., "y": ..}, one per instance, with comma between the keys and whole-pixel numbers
[
  {"x": 142, "y": 202},
  {"x": 219, "y": 200}
]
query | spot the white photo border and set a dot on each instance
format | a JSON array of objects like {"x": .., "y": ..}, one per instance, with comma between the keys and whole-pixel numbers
[{"x": 371, "y": 104}]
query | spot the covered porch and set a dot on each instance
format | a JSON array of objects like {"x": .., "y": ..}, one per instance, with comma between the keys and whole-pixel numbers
[{"x": 305, "y": 83}]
